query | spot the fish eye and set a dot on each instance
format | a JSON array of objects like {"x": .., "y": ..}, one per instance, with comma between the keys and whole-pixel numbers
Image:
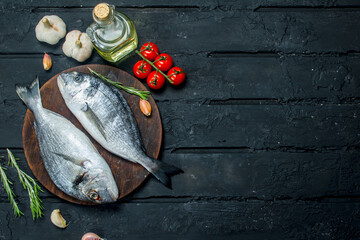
[
  {"x": 94, "y": 195},
  {"x": 77, "y": 78}
]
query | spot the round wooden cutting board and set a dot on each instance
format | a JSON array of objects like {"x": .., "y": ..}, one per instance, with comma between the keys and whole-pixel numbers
[{"x": 128, "y": 175}]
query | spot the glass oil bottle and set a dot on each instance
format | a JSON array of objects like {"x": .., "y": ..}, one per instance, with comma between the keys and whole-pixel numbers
[{"x": 113, "y": 34}]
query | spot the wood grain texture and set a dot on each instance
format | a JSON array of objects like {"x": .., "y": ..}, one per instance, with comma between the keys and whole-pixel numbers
[
  {"x": 258, "y": 126},
  {"x": 266, "y": 126},
  {"x": 128, "y": 175},
  {"x": 328, "y": 78},
  {"x": 244, "y": 174},
  {"x": 205, "y": 31},
  {"x": 195, "y": 220},
  {"x": 205, "y": 4}
]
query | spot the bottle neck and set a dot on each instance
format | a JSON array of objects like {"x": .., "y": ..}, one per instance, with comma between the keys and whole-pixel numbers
[{"x": 107, "y": 19}]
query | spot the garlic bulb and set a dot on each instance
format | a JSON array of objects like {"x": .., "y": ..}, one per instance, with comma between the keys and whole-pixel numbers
[
  {"x": 57, "y": 219},
  {"x": 50, "y": 29},
  {"x": 77, "y": 45}
]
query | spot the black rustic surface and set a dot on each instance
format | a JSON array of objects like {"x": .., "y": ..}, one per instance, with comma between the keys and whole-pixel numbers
[{"x": 266, "y": 127}]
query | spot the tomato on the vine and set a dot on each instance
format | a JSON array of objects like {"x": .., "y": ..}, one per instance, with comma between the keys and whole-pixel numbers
[
  {"x": 155, "y": 80},
  {"x": 163, "y": 62},
  {"x": 177, "y": 75},
  {"x": 141, "y": 69},
  {"x": 149, "y": 51}
]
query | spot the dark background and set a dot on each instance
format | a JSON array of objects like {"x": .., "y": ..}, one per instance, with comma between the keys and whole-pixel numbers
[{"x": 266, "y": 127}]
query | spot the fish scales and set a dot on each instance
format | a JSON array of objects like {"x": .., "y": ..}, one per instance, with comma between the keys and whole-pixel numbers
[
  {"x": 72, "y": 161},
  {"x": 105, "y": 114}
]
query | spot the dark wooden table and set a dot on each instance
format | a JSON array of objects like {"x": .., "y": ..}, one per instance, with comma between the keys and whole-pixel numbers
[{"x": 266, "y": 127}]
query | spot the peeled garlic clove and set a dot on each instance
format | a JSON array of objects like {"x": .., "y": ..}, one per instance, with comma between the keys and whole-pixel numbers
[
  {"x": 145, "y": 107},
  {"x": 47, "y": 63},
  {"x": 57, "y": 219},
  {"x": 91, "y": 236}
]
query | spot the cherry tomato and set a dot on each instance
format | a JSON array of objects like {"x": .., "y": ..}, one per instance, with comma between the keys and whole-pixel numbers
[
  {"x": 177, "y": 75},
  {"x": 141, "y": 69},
  {"x": 164, "y": 62},
  {"x": 155, "y": 80},
  {"x": 149, "y": 51}
]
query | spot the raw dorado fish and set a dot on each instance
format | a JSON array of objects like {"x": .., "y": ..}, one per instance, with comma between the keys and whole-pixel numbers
[
  {"x": 72, "y": 161},
  {"x": 104, "y": 113}
]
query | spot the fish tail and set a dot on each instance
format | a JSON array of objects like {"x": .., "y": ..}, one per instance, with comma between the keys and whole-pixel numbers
[
  {"x": 30, "y": 95},
  {"x": 163, "y": 171}
]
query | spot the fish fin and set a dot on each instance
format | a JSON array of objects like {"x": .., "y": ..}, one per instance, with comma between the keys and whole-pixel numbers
[
  {"x": 94, "y": 119},
  {"x": 163, "y": 171},
  {"x": 79, "y": 162},
  {"x": 30, "y": 95},
  {"x": 79, "y": 179}
]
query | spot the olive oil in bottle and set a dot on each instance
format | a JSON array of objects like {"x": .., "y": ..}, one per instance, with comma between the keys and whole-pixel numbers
[{"x": 113, "y": 34}]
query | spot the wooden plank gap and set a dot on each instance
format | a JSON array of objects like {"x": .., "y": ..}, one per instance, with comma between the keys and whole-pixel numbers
[
  {"x": 285, "y": 101},
  {"x": 278, "y": 54},
  {"x": 28, "y": 55},
  {"x": 207, "y": 150},
  {"x": 245, "y": 149},
  {"x": 345, "y": 8},
  {"x": 245, "y": 101},
  {"x": 228, "y": 54},
  {"x": 125, "y": 8},
  {"x": 249, "y": 199},
  {"x": 14, "y": 150},
  {"x": 330, "y": 198}
]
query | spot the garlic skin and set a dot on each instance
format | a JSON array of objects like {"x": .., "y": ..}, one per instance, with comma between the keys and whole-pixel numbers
[
  {"x": 47, "y": 63},
  {"x": 91, "y": 236},
  {"x": 77, "y": 45},
  {"x": 50, "y": 29},
  {"x": 57, "y": 219},
  {"x": 145, "y": 107}
]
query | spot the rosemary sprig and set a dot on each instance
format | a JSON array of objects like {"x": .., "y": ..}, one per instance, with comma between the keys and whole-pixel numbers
[
  {"x": 142, "y": 94},
  {"x": 30, "y": 185},
  {"x": 9, "y": 191}
]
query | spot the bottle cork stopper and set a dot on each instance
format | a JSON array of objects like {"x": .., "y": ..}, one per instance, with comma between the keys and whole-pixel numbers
[{"x": 102, "y": 11}]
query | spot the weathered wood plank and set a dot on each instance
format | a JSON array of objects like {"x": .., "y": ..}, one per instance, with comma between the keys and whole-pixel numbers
[
  {"x": 11, "y": 124},
  {"x": 284, "y": 170},
  {"x": 6, "y": 4},
  {"x": 22, "y": 69},
  {"x": 253, "y": 126},
  {"x": 203, "y": 30},
  {"x": 211, "y": 4},
  {"x": 259, "y": 126},
  {"x": 261, "y": 175},
  {"x": 244, "y": 175},
  {"x": 193, "y": 220},
  {"x": 311, "y": 79}
]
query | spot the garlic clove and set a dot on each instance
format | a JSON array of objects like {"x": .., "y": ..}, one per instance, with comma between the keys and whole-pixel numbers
[
  {"x": 57, "y": 219},
  {"x": 91, "y": 236},
  {"x": 47, "y": 63},
  {"x": 145, "y": 107}
]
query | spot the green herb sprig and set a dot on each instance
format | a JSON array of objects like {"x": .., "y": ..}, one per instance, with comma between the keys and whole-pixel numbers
[
  {"x": 11, "y": 195},
  {"x": 30, "y": 185},
  {"x": 140, "y": 93}
]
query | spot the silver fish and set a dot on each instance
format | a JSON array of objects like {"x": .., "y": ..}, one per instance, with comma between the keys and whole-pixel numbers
[
  {"x": 72, "y": 161},
  {"x": 104, "y": 113}
]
